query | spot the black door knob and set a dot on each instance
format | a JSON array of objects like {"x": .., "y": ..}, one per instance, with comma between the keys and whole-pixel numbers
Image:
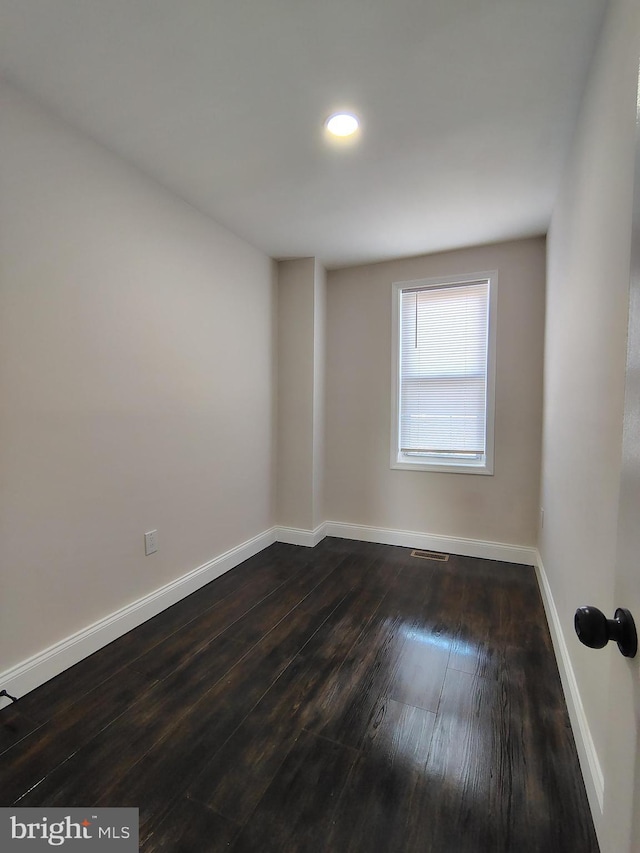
[{"x": 595, "y": 630}]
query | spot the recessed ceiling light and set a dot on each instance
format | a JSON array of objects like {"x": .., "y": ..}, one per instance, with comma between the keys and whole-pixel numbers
[{"x": 342, "y": 124}]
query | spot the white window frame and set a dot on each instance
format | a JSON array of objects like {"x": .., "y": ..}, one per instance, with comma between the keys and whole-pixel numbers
[{"x": 483, "y": 465}]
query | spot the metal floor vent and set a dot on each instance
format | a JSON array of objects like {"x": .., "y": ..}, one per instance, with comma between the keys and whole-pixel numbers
[{"x": 430, "y": 555}]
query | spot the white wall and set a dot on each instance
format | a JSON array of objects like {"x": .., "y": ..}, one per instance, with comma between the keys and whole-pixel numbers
[
  {"x": 301, "y": 394},
  {"x": 319, "y": 391},
  {"x": 586, "y": 328},
  {"x": 360, "y": 486},
  {"x": 136, "y": 383},
  {"x": 295, "y": 393}
]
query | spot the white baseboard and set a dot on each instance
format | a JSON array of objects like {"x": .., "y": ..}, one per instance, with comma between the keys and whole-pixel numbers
[
  {"x": 297, "y": 536},
  {"x": 589, "y": 762},
  {"x": 433, "y": 542},
  {"x": 31, "y": 673}
]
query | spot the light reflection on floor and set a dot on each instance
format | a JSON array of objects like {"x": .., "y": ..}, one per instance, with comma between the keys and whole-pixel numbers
[
  {"x": 441, "y": 640},
  {"x": 401, "y": 726}
]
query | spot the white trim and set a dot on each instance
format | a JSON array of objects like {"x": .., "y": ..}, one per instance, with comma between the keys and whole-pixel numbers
[
  {"x": 36, "y": 670},
  {"x": 31, "y": 673},
  {"x": 297, "y": 536},
  {"x": 432, "y": 542},
  {"x": 405, "y": 463},
  {"x": 589, "y": 762}
]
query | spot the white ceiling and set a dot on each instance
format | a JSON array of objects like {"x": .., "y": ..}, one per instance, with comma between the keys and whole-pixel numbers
[{"x": 467, "y": 107}]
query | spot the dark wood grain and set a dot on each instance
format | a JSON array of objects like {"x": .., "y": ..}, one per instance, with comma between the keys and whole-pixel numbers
[
  {"x": 390, "y": 659},
  {"x": 256, "y": 748},
  {"x": 36, "y": 757},
  {"x": 346, "y": 697},
  {"x": 166, "y": 770},
  {"x": 14, "y": 726},
  {"x": 262, "y": 573},
  {"x": 297, "y": 810},
  {"x": 381, "y": 800},
  {"x": 191, "y": 827},
  {"x": 248, "y": 614}
]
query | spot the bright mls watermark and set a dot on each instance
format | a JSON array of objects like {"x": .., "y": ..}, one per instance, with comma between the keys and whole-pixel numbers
[{"x": 78, "y": 829}]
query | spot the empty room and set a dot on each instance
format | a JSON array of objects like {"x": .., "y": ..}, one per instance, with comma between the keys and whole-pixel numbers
[{"x": 320, "y": 425}]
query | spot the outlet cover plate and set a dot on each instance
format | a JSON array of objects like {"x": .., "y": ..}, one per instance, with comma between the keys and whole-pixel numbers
[{"x": 150, "y": 542}]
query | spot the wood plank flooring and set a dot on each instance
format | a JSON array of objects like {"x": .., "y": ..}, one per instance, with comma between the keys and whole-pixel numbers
[{"x": 343, "y": 698}]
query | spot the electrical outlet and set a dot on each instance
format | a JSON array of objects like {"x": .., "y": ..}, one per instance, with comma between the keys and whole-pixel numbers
[{"x": 150, "y": 542}]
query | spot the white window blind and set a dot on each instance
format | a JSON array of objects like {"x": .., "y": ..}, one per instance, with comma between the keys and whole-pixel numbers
[{"x": 443, "y": 370}]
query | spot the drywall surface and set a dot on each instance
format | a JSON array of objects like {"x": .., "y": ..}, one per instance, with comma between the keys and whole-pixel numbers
[
  {"x": 360, "y": 486},
  {"x": 136, "y": 383},
  {"x": 586, "y": 330}
]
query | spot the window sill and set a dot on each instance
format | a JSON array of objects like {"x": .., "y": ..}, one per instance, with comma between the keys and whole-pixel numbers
[{"x": 441, "y": 467}]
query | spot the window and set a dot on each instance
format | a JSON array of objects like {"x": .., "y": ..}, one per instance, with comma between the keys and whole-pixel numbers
[{"x": 443, "y": 374}]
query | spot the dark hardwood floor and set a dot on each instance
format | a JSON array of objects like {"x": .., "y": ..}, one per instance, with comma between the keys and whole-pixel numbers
[{"x": 348, "y": 697}]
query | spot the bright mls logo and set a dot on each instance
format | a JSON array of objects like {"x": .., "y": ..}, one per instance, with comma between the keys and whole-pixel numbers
[{"x": 71, "y": 829}]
